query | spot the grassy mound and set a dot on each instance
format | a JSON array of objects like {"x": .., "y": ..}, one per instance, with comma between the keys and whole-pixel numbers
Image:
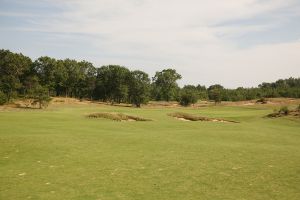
[
  {"x": 116, "y": 117},
  {"x": 189, "y": 117}
]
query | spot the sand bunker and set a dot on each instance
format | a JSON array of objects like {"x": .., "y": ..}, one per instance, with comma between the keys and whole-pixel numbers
[
  {"x": 117, "y": 117},
  {"x": 189, "y": 117}
]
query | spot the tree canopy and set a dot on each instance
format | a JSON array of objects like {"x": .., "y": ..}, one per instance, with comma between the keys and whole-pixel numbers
[
  {"x": 165, "y": 85},
  {"x": 46, "y": 76}
]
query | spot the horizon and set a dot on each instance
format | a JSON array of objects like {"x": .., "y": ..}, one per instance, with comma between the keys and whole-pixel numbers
[{"x": 235, "y": 44}]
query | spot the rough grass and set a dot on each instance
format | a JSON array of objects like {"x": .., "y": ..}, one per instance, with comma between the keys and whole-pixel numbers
[
  {"x": 287, "y": 112},
  {"x": 116, "y": 117},
  {"x": 57, "y": 153},
  {"x": 189, "y": 117}
]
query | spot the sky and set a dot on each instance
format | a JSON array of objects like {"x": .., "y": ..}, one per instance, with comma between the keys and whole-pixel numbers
[{"x": 230, "y": 42}]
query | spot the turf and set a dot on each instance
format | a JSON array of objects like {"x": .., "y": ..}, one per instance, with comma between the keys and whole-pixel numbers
[{"x": 59, "y": 153}]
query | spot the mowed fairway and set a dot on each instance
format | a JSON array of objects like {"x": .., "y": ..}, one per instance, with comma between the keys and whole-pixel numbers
[{"x": 58, "y": 153}]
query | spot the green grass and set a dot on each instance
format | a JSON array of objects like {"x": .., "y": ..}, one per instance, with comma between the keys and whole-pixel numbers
[{"x": 59, "y": 153}]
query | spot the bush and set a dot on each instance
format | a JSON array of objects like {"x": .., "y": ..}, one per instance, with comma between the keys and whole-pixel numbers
[
  {"x": 3, "y": 98},
  {"x": 262, "y": 100},
  {"x": 188, "y": 97},
  {"x": 284, "y": 110}
]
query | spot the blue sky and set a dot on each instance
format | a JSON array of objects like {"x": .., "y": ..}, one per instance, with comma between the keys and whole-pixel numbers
[{"x": 231, "y": 42}]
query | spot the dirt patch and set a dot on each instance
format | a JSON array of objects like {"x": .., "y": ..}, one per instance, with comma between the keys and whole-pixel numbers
[
  {"x": 248, "y": 104},
  {"x": 117, "y": 117},
  {"x": 189, "y": 117}
]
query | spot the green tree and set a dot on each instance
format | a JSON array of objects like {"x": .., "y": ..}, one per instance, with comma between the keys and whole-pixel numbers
[
  {"x": 189, "y": 95},
  {"x": 2, "y": 98},
  {"x": 202, "y": 91},
  {"x": 73, "y": 76},
  {"x": 165, "y": 85},
  {"x": 112, "y": 83},
  {"x": 139, "y": 88},
  {"x": 37, "y": 94},
  {"x": 30, "y": 83},
  {"x": 45, "y": 68},
  {"x": 61, "y": 77},
  {"x": 87, "y": 80},
  {"x": 41, "y": 96},
  {"x": 215, "y": 93},
  {"x": 12, "y": 67}
]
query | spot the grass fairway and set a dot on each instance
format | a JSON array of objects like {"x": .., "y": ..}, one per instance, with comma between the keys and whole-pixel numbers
[{"x": 58, "y": 153}]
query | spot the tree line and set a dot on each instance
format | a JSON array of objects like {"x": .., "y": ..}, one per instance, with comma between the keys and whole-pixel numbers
[{"x": 38, "y": 80}]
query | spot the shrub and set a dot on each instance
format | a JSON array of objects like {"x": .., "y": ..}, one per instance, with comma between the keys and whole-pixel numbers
[
  {"x": 39, "y": 95},
  {"x": 188, "y": 97},
  {"x": 284, "y": 110},
  {"x": 3, "y": 98},
  {"x": 262, "y": 100}
]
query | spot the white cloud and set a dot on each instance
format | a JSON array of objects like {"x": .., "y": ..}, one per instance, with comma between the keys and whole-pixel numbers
[
  {"x": 108, "y": 16},
  {"x": 249, "y": 67},
  {"x": 154, "y": 34}
]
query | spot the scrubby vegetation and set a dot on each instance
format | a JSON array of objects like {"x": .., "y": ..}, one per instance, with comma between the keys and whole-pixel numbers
[
  {"x": 262, "y": 100},
  {"x": 285, "y": 111},
  {"x": 188, "y": 95},
  {"x": 116, "y": 117},
  {"x": 22, "y": 77}
]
